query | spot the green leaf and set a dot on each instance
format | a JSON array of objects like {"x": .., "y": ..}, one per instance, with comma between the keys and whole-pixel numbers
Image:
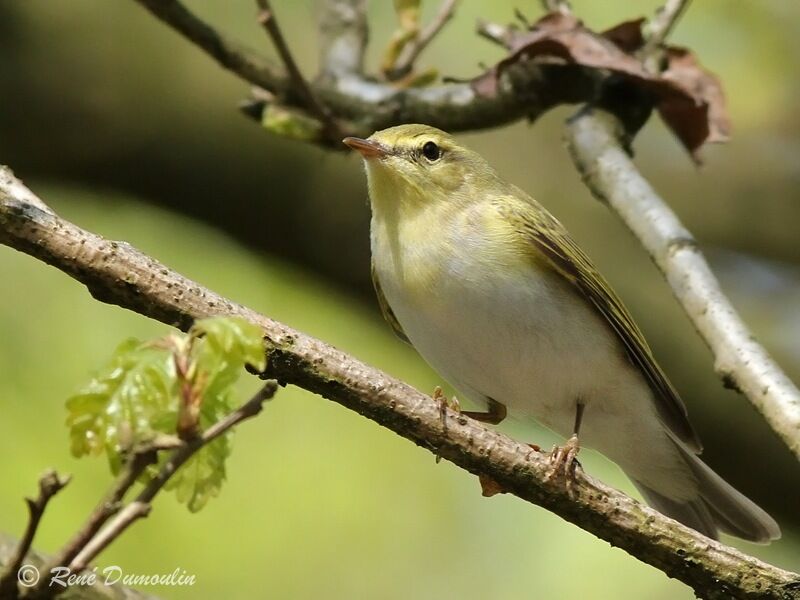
[
  {"x": 116, "y": 408},
  {"x": 228, "y": 344},
  {"x": 201, "y": 478},
  {"x": 235, "y": 338},
  {"x": 136, "y": 396},
  {"x": 290, "y": 123}
]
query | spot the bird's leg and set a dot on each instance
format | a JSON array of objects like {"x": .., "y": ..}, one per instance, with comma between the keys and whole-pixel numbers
[
  {"x": 494, "y": 414},
  {"x": 444, "y": 404},
  {"x": 562, "y": 458}
]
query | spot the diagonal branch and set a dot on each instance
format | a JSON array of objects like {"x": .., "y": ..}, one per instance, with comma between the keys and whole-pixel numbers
[
  {"x": 596, "y": 141},
  {"x": 661, "y": 25},
  {"x": 741, "y": 362},
  {"x": 117, "y": 273},
  {"x": 111, "y": 503}
]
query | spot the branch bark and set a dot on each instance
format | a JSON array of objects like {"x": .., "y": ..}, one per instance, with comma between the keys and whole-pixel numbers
[
  {"x": 363, "y": 106},
  {"x": 594, "y": 141},
  {"x": 343, "y": 38},
  {"x": 117, "y": 273}
]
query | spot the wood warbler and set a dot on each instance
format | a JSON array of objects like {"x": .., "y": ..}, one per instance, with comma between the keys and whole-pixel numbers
[{"x": 498, "y": 298}]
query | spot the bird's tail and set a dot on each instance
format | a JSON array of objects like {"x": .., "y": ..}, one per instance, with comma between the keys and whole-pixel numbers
[{"x": 718, "y": 506}]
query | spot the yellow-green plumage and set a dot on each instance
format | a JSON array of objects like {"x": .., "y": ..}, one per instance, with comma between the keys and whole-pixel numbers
[{"x": 499, "y": 299}]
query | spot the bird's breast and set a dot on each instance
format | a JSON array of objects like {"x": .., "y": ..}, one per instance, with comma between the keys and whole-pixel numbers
[{"x": 496, "y": 323}]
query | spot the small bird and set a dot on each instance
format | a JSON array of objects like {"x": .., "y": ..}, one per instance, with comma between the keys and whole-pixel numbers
[{"x": 498, "y": 298}]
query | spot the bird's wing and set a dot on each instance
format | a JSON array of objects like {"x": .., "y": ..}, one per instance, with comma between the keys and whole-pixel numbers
[
  {"x": 565, "y": 257},
  {"x": 386, "y": 310}
]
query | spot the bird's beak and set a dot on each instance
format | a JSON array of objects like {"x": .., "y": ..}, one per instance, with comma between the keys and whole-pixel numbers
[{"x": 367, "y": 148}]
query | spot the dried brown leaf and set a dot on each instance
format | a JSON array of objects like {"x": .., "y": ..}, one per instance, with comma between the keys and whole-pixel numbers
[
  {"x": 696, "y": 110},
  {"x": 688, "y": 97},
  {"x": 489, "y": 487},
  {"x": 564, "y": 37},
  {"x": 627, "y": 36}
]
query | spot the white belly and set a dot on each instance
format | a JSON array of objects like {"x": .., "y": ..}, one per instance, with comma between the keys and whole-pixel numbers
[{"x": 529, "y": 342}]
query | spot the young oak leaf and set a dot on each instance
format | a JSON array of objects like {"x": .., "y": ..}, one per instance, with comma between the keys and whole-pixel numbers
[
  {"x": 137, "y": 396},
  {"x": 117, "y": 407},
  {"x": 223, "y": 347},
  {"x": 229, "y": 343}
]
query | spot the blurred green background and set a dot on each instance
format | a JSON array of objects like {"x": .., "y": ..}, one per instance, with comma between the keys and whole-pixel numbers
[{"x": 129, "y": 131}]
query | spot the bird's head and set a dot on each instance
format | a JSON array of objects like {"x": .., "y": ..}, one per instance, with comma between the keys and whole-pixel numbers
[{"x": 411, "y": 166}]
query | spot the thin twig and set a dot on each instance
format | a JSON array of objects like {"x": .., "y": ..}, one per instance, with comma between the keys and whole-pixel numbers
[
  {"x": 119, "y": 274},
  {"x": 410, "y": 52},
  {"x": 140, "y": 506},
  {"x": 494, "y": 32},
  {"x": 367, "y": 105},
  {"x": 661, "y": 25},
  {"x": 111, "y": 503},
  {"x": 227, "y": 52},
  {"x": 562, "y": 6},
  {"x": 49, "y": 485},
  {"x": 268, "y": 20}
]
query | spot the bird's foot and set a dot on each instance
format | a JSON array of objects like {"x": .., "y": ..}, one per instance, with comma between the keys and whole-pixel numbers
[
  {"x": 444, "y": 404},
  {"x": 563, "y": 460}
]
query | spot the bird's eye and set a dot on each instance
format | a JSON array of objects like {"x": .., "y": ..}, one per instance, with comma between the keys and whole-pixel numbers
[{"x": 431, "y": 151}]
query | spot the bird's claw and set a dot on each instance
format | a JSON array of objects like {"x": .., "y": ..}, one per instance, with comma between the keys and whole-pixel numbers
[
  {"x": 444, "y": 404},
  {"x": 563, "y": 460}
]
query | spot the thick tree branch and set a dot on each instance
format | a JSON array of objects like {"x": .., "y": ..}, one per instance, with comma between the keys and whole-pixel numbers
[
  {"x": 117, "y": 273},
  {"x": 364, "y": 106},
  {"x": 593, "y": 138}
]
